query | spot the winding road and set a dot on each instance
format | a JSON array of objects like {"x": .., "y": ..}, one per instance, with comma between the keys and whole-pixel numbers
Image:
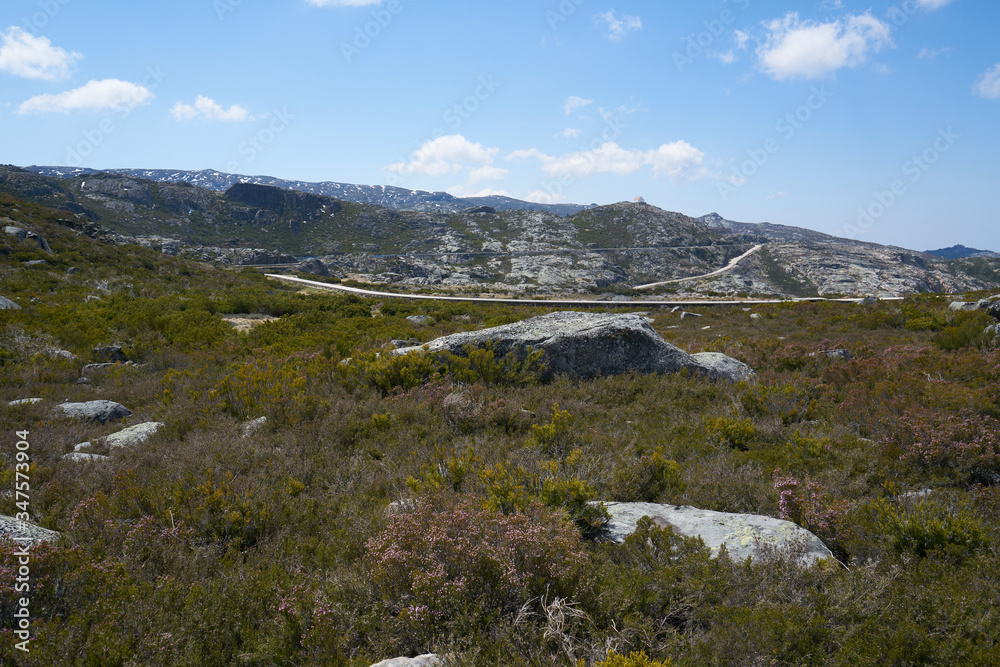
[
  {"x": 574, "y": 303},
  {"x": 718, "y": 272}
]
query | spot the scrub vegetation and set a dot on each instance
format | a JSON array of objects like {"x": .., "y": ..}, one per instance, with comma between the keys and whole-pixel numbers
[{"x": 401, "y": 505}]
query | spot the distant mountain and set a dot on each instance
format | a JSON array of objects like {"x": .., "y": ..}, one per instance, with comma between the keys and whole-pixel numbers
[
  {"x": 961, "y": 252},
  {"x": 515, "y": 251},
  {"x": 398, "y": 199}
]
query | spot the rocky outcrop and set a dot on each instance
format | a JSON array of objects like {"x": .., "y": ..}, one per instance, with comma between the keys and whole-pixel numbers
[
  {"x": 7, "y": 304},
  {"x": 99, "y": 411},
  {"x": 426, "y": 660},
  {"x": 588, "y": 345},
  {"x": 24, "y": 533},
  {"x": 314, "y": 266},
  {"x": 745, "y": 535}
]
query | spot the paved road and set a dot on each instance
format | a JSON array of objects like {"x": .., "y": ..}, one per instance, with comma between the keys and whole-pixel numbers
[
  {"x": 575, "y": 303},
  {"x": 729, "y": 267}
]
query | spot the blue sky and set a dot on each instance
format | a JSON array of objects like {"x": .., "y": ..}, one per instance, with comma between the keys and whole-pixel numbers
[{"x": 875, "y": 121}]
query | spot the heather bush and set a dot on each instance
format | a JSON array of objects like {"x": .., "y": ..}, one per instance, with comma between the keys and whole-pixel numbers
[{"x": 453, "y": 558}]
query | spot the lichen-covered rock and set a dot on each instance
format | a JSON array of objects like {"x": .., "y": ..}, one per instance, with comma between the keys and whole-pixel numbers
[
  {"x": 745, "y": 535},
  {"x": 24, "y": 533},
  {"x": 98, "y": 411},
  {"x": 85, "y": 457},
  {"x": 92, "y": 368},
  {"x": 718, "y": 365},
  {"x": 254, "y": 426},
  {"x": 7, "y": 304},
  {"x": 133, "y": 435},
  {"x": 24, "y": 401},
  {"x": 426, "y": 660},
  {"x": 588, "y": 345}
]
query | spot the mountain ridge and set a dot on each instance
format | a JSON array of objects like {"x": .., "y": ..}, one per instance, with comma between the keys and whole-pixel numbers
[{"x": 386, "y": 196}]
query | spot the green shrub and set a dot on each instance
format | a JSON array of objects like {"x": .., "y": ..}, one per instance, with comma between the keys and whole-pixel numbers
[
  {"x": 929, "y": 528},
  {"x": 634, "y": 659},
  {"x": 731, "y": 431}
]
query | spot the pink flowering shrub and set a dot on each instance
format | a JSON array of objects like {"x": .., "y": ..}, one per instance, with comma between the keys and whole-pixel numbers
[
  {"x": 968, "y": 444},
  {"x": 809, "y": 505},
  {"x": 455, "y": 556}
]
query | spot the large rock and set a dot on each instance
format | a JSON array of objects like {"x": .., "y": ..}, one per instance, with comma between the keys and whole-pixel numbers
[
  {"x": 7, "y": 304},
  {"x": 590, "y": 345},
  {"x": 20, "y": 234},
  {"x": 133, "y": 435},
  {"x": 111, "y": 353},
  {"x": 24, "y": 533},
  {"x": 98, "y": 411},
  {"x": 426, "y": 660},
  {"x": 745, "y": 535}
]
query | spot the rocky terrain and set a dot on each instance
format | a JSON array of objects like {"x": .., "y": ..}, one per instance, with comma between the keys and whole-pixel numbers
[{"x": 606, "y": 250}]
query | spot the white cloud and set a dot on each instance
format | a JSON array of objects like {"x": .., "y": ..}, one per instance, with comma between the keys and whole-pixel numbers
[
  {"x": 573, "y": 103},
  {"x": 931, "y": 54},
  {"x": 22, "y": 54},
  {"x": 988, "y": 85},
  {"x": 450, "y": 154},
  {"x": 933, "y": 4},
  {"x": 778, "y": 195},
  {"x": 571, "y": 133},
  {"x": 343, "y": 3},
  {"x": 674, "y": 160},
  {"x": 209, "y": 109},
  {"x": 806, "y": 49},
  {"x": 544, "y": 197},
  {"x": 487, "y": 173},
  {"x": 618, "y": 28},
  {"x": 95, "y": 96},
  {"x": 741, "y": 38}
]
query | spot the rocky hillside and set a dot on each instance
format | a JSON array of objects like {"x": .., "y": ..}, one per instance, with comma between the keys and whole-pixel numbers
[
  {"x": 607, "y": 249},
  {"x": 400, "y": 199}
]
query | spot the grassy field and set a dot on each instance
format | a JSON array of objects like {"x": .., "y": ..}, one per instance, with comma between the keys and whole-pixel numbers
[{"x": 211, "y": 546}]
